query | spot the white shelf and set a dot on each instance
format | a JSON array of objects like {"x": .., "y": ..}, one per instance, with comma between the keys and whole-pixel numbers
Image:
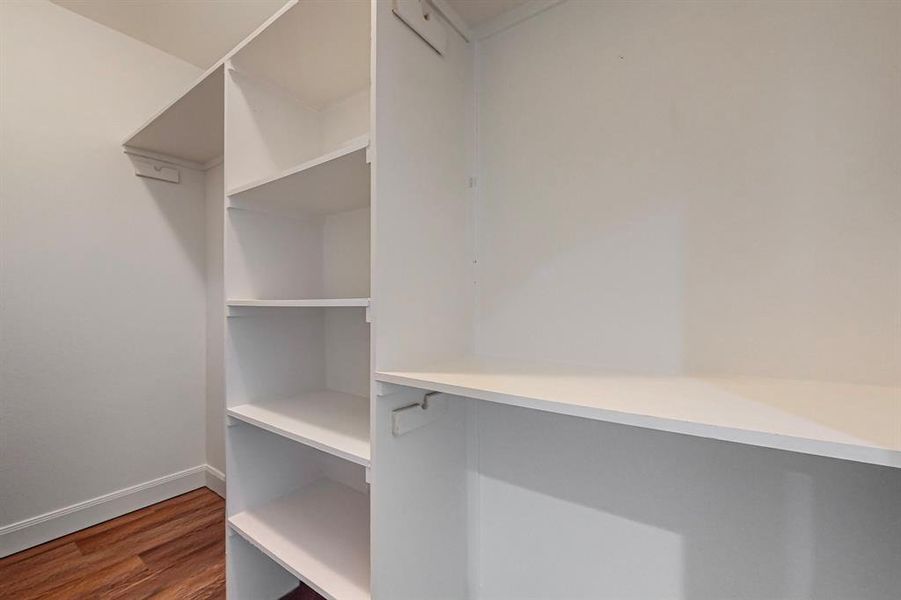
[
  {"x": 334, "y": 422},
  {"x": 305, "y": 303},
  {"x": 190, "y": 128},
  {"x": 840, "y": 420},
  {"x": 319, "y": 534},
  {"x": 332, "y": 183}
]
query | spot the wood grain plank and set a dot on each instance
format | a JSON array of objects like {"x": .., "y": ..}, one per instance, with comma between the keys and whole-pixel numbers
[
  {"x": 36, "y": 569},
  {"x": 165, "y": 576},
  {"x": 86, "y": 587},
  {"x": 140, "y": 514},
  {"x": 174, "y": 550},
  {"x": 100, "y": 556},
  {"x": 158, "y": 516},
  {"x": 170, "y": 554},
  {"x": 104, "y": 561},
  {"x": 205, "y": 584}
]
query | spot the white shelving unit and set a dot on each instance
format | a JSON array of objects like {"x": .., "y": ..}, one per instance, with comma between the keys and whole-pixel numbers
[
  {"x": 613, "y": 323},
  {"x": 320, "y": 534},
  {"x": 297, "y": 236},
  {"x": 332, "y": 422},
  {"x": 288, "y": 111}
]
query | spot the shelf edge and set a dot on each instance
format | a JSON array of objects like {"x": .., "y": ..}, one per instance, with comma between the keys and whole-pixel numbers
[
  {"x": 886, "y": 457},
  {"x": 363, "y": 461},
  {"x": 299, "y": 303},
  {"x": 354, "y": 145}
]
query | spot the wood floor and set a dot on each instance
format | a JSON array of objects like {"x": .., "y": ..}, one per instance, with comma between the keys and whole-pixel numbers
[{"x": 171, "y": 550}]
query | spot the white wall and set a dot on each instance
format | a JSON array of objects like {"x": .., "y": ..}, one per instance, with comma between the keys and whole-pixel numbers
[
  {"x": 707, "y": 187},
  {"x": 102, "y": 354},
  {"x": 676, "y": 186},
  {"x": 576, "y": 509}
]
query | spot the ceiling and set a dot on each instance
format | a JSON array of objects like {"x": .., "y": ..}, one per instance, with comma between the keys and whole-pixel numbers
[
  {"x": 318, "y": 51},
  {"x": 476, "y": 12},
  {"x": 197, "y": 31},
  {"x": 173, "y": 25}
]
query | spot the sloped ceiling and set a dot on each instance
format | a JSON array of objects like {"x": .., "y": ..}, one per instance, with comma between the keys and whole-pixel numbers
[
  {"x": 197, "y": 31},
  {"x": 202, "y": 31}
]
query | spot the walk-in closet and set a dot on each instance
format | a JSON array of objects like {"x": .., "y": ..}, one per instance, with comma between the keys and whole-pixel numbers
[{"x": 549, "y": 300}]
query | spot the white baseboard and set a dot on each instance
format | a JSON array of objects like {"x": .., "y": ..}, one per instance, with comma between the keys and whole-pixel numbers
[
  {"x": 48, "y": 526},
  {"x": 215, "y": 480}
]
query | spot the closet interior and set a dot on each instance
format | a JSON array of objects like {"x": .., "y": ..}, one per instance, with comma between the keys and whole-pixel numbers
[{"x": 512, "y": 314}]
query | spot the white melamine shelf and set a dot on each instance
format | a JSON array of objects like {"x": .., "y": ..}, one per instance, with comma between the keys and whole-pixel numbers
[
  {"x": 333, "y": 422},
  {"x": 840, "y": 420},
  {"x": 191, "y": 127},
  {"x": 332, "y": 183},
  {"x": 319, "y": 534},
  {"x": 300, "y": 303}
]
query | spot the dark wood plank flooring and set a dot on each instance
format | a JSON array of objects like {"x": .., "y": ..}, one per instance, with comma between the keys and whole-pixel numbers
[{"x": 172, "y": 550}]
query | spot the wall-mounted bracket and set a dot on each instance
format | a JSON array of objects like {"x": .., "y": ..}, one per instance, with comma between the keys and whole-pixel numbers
[
  {"x": 369, "y": 312},
  {"x": 422, "y": 18},
  {"x": 154, "y": 169},
  {"x": 407, "y": 418}
]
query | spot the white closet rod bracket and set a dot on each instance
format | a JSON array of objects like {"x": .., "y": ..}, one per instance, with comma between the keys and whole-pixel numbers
[
  {"x": 407, "y": 418},
  {"x": 418, "y": 15},
  {"x": 159, "y": 159},
  {"x": 152, "y": 168}
]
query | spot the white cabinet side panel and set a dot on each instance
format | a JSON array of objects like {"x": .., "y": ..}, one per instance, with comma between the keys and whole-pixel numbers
[
  {"x": 215, "y": 318},
  {"x": 423, "y": 158},
  {"x": 419, "y": 505}
]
